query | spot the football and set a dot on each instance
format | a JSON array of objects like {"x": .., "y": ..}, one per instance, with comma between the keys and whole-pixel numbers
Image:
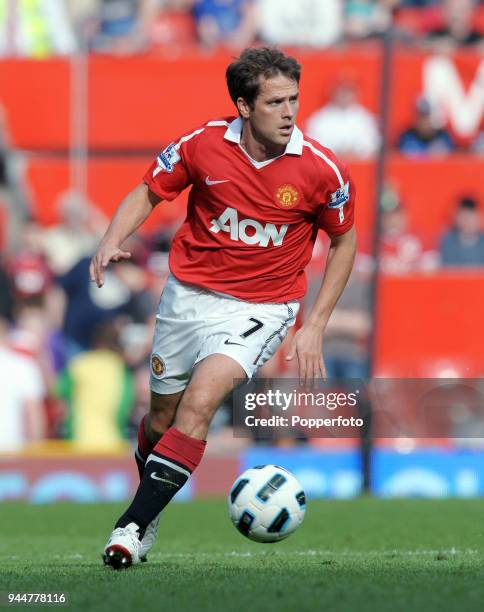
[{"x": 267, "y": 503}]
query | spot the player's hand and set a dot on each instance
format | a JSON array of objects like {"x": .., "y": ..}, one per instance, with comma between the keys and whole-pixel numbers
[
  {"x": 307, "y": 344},
  {"x": 106, "y": 253}
]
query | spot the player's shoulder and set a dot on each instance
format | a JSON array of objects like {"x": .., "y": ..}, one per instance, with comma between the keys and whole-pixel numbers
[
  {"x": 324, "y": 160},
  {"x": 221, "y": 122},
  {"x": 214, "y": 128},
  {"x": 206, "y": 134}
]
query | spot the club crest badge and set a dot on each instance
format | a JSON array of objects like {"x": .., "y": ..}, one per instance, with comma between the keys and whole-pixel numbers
[
  {"x": 157, "y": 365},
  {"x": 287, "y": 196}
]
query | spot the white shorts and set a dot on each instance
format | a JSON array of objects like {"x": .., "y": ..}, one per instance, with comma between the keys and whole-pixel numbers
[{"x": 193, "y": 323}]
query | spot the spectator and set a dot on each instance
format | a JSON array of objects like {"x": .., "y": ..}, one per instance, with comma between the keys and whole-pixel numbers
[
  {"x": 477, "y": 145},
  {"x": 13, "y": 200},
  {"x": 419, "y": 3},
  {"x": 400, "y": 250},
  {"x": 457, "y": 29},
  {"x": 4, "y": 179},
  {"x": 424, "y": 138},
  {"x": 230, "y": 22},
  {"x": 346, "y": 342},
  {"x": 5, "y": 292},
  {"x": 38, "y": 28},
  {"x": 344, "y": 125},
  {"x": 124, "y": 293},
  {"x": 87, "y": 308},
  {"x": 29, "y": 272},
  {"x": 141, "y": 402},
  {"x": 306, "y": 23},
  {"x": 21, "y": 414},
  {"x": 76, "y": 235},
  {"x": 122, "y": 26},
  {"x": 99, "y": 392},
  {"x": 368, "y": 18},
  {"x": 174, "y": 26},
  {"x": 463, "y": 245}
]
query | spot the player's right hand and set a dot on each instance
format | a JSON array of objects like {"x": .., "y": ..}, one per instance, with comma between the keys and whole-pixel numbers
[
  {"x": 105, "y": 254},
  {"x": 307, "y": 345}
]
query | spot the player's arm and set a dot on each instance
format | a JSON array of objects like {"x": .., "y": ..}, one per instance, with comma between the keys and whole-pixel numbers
[
  {"x": 308, "y": 341},
  {"x": 131, "y": 213}
]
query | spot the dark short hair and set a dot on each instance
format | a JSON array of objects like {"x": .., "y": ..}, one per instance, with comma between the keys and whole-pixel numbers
[
  {"x": 467, "y": 203},
  {"x": 243, "y": 74}
]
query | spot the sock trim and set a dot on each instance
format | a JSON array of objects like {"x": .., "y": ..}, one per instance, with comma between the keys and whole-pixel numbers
[
  {"x": 168, "y": 457},
  {"x": 170, "y": 464}
]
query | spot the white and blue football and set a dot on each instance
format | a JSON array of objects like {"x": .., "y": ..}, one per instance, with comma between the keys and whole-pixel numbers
[{"x": 267, "y": 503}]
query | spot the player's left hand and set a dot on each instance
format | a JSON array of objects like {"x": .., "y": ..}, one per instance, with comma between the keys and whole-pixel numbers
[{"x": 307, "y": 344}]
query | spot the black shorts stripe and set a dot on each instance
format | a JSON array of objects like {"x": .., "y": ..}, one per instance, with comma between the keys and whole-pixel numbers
[{"x": 278, "y": 332}]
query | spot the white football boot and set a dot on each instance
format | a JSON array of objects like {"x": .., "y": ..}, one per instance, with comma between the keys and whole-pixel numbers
[
  {"x": 123, "y": 547},
  {"x": 149, "y": 538}
]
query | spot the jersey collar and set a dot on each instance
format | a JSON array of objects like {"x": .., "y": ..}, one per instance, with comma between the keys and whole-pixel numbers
[{"x": 293, "y": 147}]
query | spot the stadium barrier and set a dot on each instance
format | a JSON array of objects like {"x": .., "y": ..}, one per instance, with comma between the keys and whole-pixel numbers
[
  {"x": 141, "y": 102},
  {"x": 429, "y": 201},
  {"x": 89, "y": 478},
  {"x": 428, "y": 471}
]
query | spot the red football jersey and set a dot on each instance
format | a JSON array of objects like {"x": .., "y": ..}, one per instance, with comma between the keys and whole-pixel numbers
[{"x": 250, "y": 226}]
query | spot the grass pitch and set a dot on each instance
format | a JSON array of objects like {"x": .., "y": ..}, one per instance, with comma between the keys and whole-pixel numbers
[{"x": 366, "y": 555}]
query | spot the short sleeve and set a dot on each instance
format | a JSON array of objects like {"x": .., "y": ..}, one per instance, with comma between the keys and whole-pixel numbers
[
  {"x": 168, "y": 175},
  {"x": 336, "y": 214}
]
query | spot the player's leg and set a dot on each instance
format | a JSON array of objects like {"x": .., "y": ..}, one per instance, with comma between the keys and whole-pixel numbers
[
  {"x": 173, "y": 355},
  {"x": 256, "y": 334},
  {"x": 154, "y": 424},
  {"x": 181, "y": 448},
  {"x": 231, "y": 344},
  {"x": 213, "y": 379}
]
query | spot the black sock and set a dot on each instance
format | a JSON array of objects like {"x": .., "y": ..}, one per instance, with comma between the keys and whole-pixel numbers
[{"x": 162, "y": 478}]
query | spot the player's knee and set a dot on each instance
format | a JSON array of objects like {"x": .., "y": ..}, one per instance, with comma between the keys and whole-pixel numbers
[
  {"x": 195, "y": 412},
  {"x": 197, "y": 402},
  {"x": 192, "y": 424}
]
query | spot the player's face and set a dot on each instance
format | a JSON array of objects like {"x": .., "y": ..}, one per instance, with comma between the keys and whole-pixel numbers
[{"x": 274, "y": 111}]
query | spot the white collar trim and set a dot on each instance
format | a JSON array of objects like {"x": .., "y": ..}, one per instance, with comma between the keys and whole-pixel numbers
[{"x": 293, "y": 147}]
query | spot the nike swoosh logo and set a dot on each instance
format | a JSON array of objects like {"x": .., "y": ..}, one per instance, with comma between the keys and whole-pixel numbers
[
  {"x": 209, "y": 182},
  {"x": 236, "y": 343},
  {"x": 155, "y": 477}
]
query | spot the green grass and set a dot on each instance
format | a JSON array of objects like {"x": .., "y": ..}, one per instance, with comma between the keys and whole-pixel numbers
[{"x": 365, "y": 555}]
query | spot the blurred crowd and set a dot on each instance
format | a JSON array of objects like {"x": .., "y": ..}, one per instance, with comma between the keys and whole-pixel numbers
[
  {"x": 349, "y": 129},
  {"x": 39, "y": 28},
  {"x": 74, "y": 358}
]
